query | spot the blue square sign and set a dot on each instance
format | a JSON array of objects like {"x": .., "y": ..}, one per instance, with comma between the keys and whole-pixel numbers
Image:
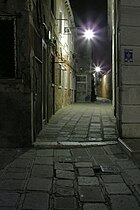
[{"x": 128, "y": 55}]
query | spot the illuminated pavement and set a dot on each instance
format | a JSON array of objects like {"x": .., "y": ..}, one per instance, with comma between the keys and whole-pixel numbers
[
  {"x": 80, "y": 124},
  {"x": 57, "y": 175}
]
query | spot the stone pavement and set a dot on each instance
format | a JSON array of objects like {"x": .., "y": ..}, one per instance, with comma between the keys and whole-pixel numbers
[
  {"x": 78, "y": 123},
  {"x": 72, "y": 177}
]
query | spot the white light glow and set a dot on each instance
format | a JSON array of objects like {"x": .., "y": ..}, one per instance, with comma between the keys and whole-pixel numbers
[
  {"x": 88, "y": 34},
  {"x": 97, "y": 69}
]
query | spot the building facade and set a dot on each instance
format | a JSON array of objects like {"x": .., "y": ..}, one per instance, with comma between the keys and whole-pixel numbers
[
  {"x": 31, "y": 84},
  {"x": 64, "y": 78},
  {"x": 104, "y": 85},
  {"x": 126, "y": 63},
  {"x": 84, "y": 73}
]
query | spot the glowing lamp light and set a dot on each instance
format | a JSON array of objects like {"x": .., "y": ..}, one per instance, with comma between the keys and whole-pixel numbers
[
  {"x": 88, "y": 34},
  {"x": 97, "y": 69}
]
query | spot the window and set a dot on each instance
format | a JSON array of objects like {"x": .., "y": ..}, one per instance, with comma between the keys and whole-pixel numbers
[
  {"x": 7, "y": 47},
  {"x": 53, "y": 69},
  {"x": 71, "y": 80},
  {"x": 81, "y": 78},
  {"x": 59, "y": 75},
  {"x": 65, "y": 78},
  {"x": 60, "y": 22}
]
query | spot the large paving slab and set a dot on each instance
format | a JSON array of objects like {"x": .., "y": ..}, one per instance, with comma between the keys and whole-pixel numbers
[
  {"x": 61, "y": 203},
  {"x": 36, "y": 200},
  {"x": 88, "y": 181},
  {"x": 9, "y": 199},
  {"x": 96, "y": 206},
  {"x": 125, "y": 202},
  {"x": 39, "y": 184},
  {"x": 91, "y": 194},
  {"x": 117, "y": 188}
]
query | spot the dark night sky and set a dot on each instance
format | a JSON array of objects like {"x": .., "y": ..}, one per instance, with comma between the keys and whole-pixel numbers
[
  {"x": 89, "y": 10},
  {"x": 94, "y": 13}
]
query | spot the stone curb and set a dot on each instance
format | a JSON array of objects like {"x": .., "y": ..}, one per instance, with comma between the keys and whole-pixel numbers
[{"x": 71, "y": 144}]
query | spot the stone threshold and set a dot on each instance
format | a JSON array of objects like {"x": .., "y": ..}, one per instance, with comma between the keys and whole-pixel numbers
[{"x": 60, "y": 144}]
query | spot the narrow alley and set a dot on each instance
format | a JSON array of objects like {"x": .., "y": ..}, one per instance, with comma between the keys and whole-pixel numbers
[
  {"x": 61, "y": 172},
  {"x": 70, "y": 105},
  {"x": 80, "y": 123}
]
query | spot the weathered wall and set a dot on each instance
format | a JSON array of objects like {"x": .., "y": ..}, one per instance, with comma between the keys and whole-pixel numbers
[
  {"x": 129, "y": 74},
  {"x": 15, "y": 115},
  {"x": 32, "y": 95},
  {"x": 64, "y": 56}
]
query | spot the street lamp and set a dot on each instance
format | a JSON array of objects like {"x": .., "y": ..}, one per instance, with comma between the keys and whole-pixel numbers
[
  {"x": 97, "y": 69},
  {"x": 96, "y": 73},
  {"x": 89, "y": 35}
]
